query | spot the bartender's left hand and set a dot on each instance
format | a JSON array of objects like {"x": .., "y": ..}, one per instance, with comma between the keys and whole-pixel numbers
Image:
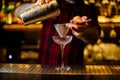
[{"x": 77, "y": 25}]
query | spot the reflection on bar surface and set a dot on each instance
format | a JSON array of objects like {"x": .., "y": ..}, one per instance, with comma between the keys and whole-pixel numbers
[
  {"x": 46, "y": 69},
  {"x": 45, "y": 72}
]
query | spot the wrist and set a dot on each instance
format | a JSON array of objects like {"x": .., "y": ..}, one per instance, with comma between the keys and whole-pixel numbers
[{"x": 90, "y": 35}]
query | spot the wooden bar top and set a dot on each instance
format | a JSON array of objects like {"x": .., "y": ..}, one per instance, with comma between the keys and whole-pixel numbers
[
  {"x": 46, "y": 69},
  {"x": 10, "y": 71}
]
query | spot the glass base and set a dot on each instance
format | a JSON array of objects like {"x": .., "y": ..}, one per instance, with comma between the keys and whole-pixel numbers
[{"x": 63, "y": 68}]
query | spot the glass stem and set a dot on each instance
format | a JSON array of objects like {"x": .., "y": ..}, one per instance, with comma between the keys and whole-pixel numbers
[{"x": 62, "y": 59}]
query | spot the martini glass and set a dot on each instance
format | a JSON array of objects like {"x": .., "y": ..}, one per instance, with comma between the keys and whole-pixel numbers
[{"x": 62, "y": 40}]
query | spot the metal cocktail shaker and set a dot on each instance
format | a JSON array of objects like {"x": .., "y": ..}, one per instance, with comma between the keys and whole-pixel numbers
[{"x": 34, "y": 12}]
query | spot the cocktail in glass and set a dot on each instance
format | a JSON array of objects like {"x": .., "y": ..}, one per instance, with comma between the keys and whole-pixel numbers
[{"x": 63, "y": 39}]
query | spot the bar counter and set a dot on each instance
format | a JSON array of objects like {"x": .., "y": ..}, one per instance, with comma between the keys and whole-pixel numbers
[{"x": 10, "y": 71}]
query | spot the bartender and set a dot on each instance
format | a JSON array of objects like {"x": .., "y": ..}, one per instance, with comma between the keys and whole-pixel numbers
[{"x": 75, "y": 12}]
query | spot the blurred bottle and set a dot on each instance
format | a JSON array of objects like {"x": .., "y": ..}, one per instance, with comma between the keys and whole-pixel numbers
[
  {"x": 98, "y": 6},
  {"x": 118, "y": 5},
  {"x": 10, "y": 9},
  {"x": 95, "y": 5},
  {"x": 113, "y": 33},
  {"x": 105, "y": 4},
  {"x": 102, "y": 35},
  {"x": 92, "y": 3},
  {"x": 3, "y": 11},
  {"x": 112, "y": 9},
  {"x": 86, "y": 2}
]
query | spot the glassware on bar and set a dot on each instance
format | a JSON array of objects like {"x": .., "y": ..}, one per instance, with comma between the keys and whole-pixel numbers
[{"x": 63, "y": 39}]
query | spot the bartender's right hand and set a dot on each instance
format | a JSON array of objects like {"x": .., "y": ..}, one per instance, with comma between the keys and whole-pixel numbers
[{"x": 43, "y": 1}]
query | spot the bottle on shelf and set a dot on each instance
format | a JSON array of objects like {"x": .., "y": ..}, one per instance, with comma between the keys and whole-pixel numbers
[
  {"x": 113, "y": 33},
  {"x": 98, "y": 6},
  {"x": 105, "y": 4},
  {"x": 112, "y": 8},
  {"x": 10, "y": 9},
  {"x": 86, "y": 2},
  {"x": 3, "y": 11},
  {"x": 118, "y": 5}
]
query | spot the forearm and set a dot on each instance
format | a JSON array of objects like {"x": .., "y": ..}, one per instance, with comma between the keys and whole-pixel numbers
[{"x": 90, "y": 35}]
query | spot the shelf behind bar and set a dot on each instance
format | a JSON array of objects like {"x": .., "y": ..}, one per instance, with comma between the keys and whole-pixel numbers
[
  {"x": 109, "y": 24},
  {"x": 21, "y": 27},
  {"x": 30, "y": 46}
]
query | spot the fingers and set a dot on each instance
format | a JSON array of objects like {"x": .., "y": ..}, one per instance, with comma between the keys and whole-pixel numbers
[
  {"x": 70, "y": 25},
  {"x": 80, "y": 20},
  {"x": 76, "y": 20},
  {"x": 78, "y": 25},
  {"x": 75, "y": 23},
  {"x": 75, "y": 28},
  {"x": 84, "y": 18},
  {"x": 76, "y": 34}
]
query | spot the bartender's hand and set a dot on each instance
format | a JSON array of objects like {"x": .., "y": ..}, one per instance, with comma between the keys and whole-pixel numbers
[
  {"x": 82, "y": 30},
  {"x": 77, "y": 25},
  {"x": 43, "y": 1}
]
